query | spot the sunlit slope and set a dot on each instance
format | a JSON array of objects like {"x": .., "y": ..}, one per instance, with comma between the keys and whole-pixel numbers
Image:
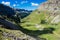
[
  {"x": 35, "y": 17},
  {"x": 38, "y": 20},
  {"x": 47, "y": 15}
]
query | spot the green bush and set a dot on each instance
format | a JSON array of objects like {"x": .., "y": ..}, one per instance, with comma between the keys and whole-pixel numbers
[{"x": 43, "y": 22}]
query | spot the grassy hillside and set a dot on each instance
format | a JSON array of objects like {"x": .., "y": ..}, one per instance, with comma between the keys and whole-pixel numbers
[{"x": 37, "y": 20}]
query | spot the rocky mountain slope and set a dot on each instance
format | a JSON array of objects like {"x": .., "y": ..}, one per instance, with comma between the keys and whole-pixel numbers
[
  {"x": 23, "y": 13},
  {"x": 9, "y": 11},
  {"x": 6, "y": 10},
  {"x": 53, "y": 7}
]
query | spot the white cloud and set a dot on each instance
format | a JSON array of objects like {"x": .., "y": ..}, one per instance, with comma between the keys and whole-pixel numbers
[
  {"x": 14, "y": 5},
  {"x": 34, "y": 4},
  {"x": 6, "y": 3},
  {"x": 24, "y": 2}
]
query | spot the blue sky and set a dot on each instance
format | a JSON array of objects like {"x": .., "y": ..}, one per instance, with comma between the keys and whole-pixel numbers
[{"x": 23, "y": 4}]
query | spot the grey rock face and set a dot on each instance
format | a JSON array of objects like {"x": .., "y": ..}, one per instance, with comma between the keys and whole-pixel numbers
[
  {"x": 51, "y": 5},
  {"x": 13, "y": 37}
]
